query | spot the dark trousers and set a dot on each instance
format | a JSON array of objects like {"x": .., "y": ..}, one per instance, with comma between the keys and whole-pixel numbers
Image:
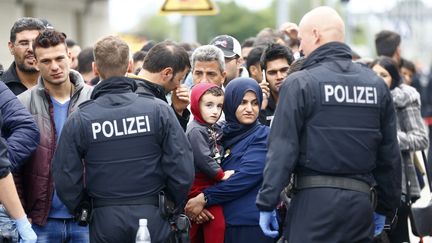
[
  {"x": 212, "y": 231},
  {"x": 329, "y": 215},
  {"x": 120, "y": 224}
]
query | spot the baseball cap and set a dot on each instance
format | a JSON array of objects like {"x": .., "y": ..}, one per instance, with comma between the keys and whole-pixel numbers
[{"x": 228, "y": 44}]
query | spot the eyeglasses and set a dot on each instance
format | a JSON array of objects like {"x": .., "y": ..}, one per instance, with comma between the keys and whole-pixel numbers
[{"x": 24, "y": 44}]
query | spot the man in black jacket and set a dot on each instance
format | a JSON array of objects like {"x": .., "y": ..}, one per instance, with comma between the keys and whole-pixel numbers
[
  {"x": 22, "y": 74},
  {"x": 165, "y": 67},
  {"x": 334, "y": 129},
  {"x": 131, "y": 148}
]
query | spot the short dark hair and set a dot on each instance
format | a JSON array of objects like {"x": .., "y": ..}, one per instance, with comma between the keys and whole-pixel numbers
[
  {"x": 148, "y": 45},
  {"x": 408, "y": 65},
  {"x": 25, "y": 23},
  {"x": 49, "y": 38},
  {"x": 85, "y": 59},
  {"x": 249, "y": 42},
  {"x": 254, "y": 57},
  {"x": 215, "y": 90},
  {"x": 386, "y": 43},
  {"x": 139, "y": 56},
  {"x": 70, "y": 43},
  {"x": 391, "y": 66},
  {"x": 276, "y": 51},
  {"x": 166, "y": 54}
]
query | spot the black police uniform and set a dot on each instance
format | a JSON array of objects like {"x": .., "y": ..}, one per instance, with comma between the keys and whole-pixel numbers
[
  {"x": 131, "y": 148},
  {"x": 335, "y": 118},
  {"x": 145, "y": 86}
]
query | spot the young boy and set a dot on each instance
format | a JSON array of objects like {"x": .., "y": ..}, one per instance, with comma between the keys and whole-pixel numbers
[{"x": 204, "y": 136}]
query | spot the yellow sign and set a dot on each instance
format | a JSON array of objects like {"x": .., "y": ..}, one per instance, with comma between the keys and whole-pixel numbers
[{"x": 189, "y": 7}]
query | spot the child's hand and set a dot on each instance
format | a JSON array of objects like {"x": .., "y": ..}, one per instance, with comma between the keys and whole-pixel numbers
[{"x": 227, "y": 174}]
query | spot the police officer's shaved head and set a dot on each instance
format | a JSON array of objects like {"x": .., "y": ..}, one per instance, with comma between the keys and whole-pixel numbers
[{"x": 320, "y": 26}]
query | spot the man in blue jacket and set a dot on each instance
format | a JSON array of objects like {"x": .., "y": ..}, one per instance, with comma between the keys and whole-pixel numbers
[
  {"x": 10, "y": 202},
  {"x": 21, "y": 136},
  {"x": 334, "y": 133}
]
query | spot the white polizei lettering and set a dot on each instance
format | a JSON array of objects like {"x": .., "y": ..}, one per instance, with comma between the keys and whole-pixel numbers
[
  {"x": 148, "y": 123},
  {"x": 116, "y": 132},
  {"x": 131, "y": 125},
  {"x": 118, "y": 128},
  {"x": 369, "y": 95},
  {"x": 96, "y": 128},
  {"x": 360, "y": 100},
  {"x": 140, "y": 122},
  {"x": 351, "y": 94},
  {"x": 104, "y": 130},
  {"x": 124, "y": 126},
  {"x": 329, "y": 91},
  {"x": 336, "y": 92},
  {"x": 347, "y": 94},
  {"x": 375, "y": 95},
  {"x": 355, "y": 94}
]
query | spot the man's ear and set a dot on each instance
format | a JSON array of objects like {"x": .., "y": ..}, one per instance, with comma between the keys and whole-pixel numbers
[
  {"x": 94, "y": 68},
  {"x": 167, "y": 73},
  {"x": 11, "y": 50},
  {"x": 130, "y": 68}
]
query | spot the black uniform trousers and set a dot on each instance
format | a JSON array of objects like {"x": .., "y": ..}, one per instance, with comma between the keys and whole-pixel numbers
[
  {"x": 329, "y": 215},
  {"x": 115, "y": 224}
]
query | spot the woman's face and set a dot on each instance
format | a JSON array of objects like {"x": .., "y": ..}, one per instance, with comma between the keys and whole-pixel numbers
[
  {"x": 380, "y": 71},
  {"x": 247, "y": 111}
]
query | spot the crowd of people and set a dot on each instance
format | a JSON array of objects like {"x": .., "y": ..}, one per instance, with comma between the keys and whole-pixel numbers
[{"x": 288, "y": 137}]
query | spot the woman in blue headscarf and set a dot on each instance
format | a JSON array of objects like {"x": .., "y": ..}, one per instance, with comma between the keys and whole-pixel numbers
[{"x": 245, "y": 143}]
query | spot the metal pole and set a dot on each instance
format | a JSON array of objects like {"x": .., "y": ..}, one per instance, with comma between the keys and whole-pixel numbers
[
  {"x": 282, "y": 12},
  {"x": 188, "y": 29}
]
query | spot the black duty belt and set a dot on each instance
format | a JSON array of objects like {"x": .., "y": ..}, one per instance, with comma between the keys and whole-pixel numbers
[
  {"x": 151, "y": 200},
  {"x": 304, "y": 182}
]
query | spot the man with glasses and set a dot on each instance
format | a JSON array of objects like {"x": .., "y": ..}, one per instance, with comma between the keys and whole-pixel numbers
[
  {"x": 22, "y": 73},
  {"x": 275, "y": 62}
]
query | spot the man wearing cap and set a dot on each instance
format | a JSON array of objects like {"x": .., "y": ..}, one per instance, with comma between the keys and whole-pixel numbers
[{"x": 232, "y": 52}]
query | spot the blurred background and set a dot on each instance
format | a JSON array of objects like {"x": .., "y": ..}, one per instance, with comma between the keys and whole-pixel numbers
[{"x": 138, "y": 21}]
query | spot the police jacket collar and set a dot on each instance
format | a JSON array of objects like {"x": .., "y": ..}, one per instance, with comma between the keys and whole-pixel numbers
[
  {"x": 157, "y": 90},
  {"x": 328, "y": 52},
  {"x": 114, "y": 85}
]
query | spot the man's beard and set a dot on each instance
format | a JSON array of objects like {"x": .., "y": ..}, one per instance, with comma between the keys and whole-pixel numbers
[{"x": 26, "y": 69}]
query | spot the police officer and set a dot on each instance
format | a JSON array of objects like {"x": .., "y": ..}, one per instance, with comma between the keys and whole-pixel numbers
[
  {"x": 336, "y": 124},
  {"x": 122, "y": 149}
]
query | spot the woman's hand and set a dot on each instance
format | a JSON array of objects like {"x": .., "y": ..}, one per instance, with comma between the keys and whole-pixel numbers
[
  {"x": 194, "y": 206},
  {"x": 203, "y": 217}
]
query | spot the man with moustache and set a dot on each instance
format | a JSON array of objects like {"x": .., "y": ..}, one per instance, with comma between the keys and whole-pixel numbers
[{"x": 22, "y": 73}]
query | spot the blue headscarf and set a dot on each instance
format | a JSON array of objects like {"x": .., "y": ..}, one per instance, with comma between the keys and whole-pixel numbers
[{"x": 233, "y": 130}]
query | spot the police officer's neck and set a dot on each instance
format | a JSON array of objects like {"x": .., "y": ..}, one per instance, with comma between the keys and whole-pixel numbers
[{"x": 152, "y": 77}]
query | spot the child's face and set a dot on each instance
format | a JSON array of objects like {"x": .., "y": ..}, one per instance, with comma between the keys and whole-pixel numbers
[{"x": 211, "y": 107}]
